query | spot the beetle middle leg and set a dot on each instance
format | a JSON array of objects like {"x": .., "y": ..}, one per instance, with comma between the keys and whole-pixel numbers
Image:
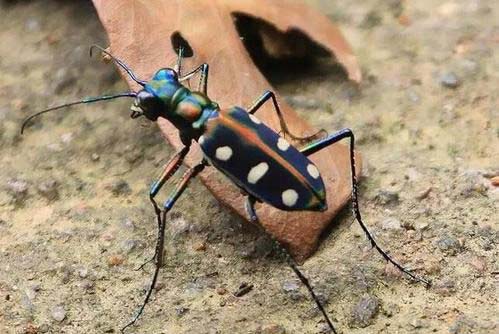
[
  {"x": 250, "y": 209},
  {"x": 266, "y": 96},
  {"x": 329, "y": 140},
  {"x": 169, "y": 203}
]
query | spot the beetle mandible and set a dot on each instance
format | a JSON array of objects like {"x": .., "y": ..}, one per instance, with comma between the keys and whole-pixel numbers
[{"x": 262, "y": 163}]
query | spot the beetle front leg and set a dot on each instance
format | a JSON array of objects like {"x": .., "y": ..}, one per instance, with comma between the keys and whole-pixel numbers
[
  {"x": 169, "y": 170},
  {"x": 203, "y": 79},
  {"x": 269, "y": 95},
  {"x": 169, "y": 203},
  {"x": 330, "y": 140}
]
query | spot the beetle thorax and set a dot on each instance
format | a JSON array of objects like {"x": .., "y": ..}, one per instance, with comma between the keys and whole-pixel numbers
[{"x": 189, "y": 106}]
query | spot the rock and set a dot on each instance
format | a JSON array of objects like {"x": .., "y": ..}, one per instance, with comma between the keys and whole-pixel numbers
[
  {"x": 413, "y": 96},
  {"x": 290, "y": 286},
  {"x": 18, "y": 188},
  {"x": 463, "y": 325},
  {"x": 32, "y": 24},
  {"x": 445, "y": 288},
  {"x": 180, "y": 311},
  {"x": 129, "y": 245},
  {"x": 386, "y": 197},
  {"x": 271, "y": 329},
  {"x": 95, "y": 157},
  {"x": 179, "y": 226},
  {"x": 391, "y": 224},
  {"x": 450, "y": 80},
  {"x": 49, "y": 189},
  {"x": 128, "y": 224},
  {"x": 471, "y": 183},
  {"x": 365, "y": 310},
  {"x": 58, "y": 313},
  {"x": 83, "y": 272},
  {"x": 449, "y": 245},
  {"x": 120, "y": 188},
  {"x": 115, "y": 260}
]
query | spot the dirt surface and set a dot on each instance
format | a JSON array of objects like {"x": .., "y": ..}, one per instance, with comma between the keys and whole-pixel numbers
[{"x": 75, "y": 220}]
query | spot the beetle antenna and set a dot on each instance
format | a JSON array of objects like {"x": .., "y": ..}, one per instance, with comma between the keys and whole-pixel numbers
[
  {"x": 83, "y": 101},
  {"x": 127, "y": 69}
]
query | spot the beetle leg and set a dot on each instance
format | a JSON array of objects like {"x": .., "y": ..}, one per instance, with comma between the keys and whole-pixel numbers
[
  {"x": 331, "y": 139},
  {"x": 169, "y": 203},
  {"x": 250, "y": 209},
  {"x": 169, "y": 170},
  {"x": 203, "y": 79},
  {"x": 178, "y": 65},
  {"x": 267, "y": 95}
]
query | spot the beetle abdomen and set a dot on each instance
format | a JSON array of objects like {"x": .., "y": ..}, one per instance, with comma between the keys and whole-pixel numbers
[{"x": 261, "y": 162}]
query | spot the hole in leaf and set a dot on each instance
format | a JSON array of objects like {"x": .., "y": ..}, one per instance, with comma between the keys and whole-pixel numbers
[
  {"x": 284, "y": 56},
  {"x": 178, "y": 41}
]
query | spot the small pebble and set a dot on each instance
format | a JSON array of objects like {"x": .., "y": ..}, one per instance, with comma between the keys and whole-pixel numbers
[
  {"x": 115, "y": 260},
  {"x": 49, "y": 189},
  {"x": 129, "y": 245},
  {"x": 471, "y": 183},
  {"x": 365, "y": 310},
  {"x": 120, "y": 188},
  {"x": 180, "y": 311},
  {"x": 463, "y": 325},
  {"x": 179, "y": 226},
  {"x": 58, "y": 313},
  {"x": 221, "y": 291},
  {"x": 95, "y": 157},
  {"x": 32, "y": 25},
  {"x": 444, "y": 288},
  {"x": 391, "y": 224},
  {"x": 495, "y": 181},
  {"x": 416, "y": 323},
  {"x": 449, "y": 245},
  {"x": 18, "y": 188},
  {"x": 199, "y": 246},
  {"x": 479, "y": 263},
  {"x": 83, "y": 272},
  {"x": 67, "y": 138},
  {"x": 386, "y": 197},
  {"x": 450, "y": 80},
  {"x": 290, "y": 286},
  {"x": 128, "y": 224},
  {"x": 272, "y": 329},
  {"x": 30, "y": 329}
]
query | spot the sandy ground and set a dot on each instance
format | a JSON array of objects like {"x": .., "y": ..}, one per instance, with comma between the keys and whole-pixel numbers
[{"x": 75, "y": 219}]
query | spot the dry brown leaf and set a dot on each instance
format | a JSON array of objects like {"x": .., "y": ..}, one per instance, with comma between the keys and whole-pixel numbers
[{"x": 140, "y": 34}]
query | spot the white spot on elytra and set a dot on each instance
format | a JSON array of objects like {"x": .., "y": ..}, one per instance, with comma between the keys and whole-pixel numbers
[
  {"x": 282, "y": 144},
  {"x": 313, "y": 171},
  {"x": 257, "y": 172},
  {"x": 289, "y": 197},
  {"x": 223, "y": 153},
  {"x": 201, "y": 140},
  {"x": 255, "y": 119}
]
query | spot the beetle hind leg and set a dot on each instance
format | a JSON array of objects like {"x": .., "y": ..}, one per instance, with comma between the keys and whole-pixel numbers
[
  {"x": 331, "y": 139},
  {"x": 250, "y": 209},
  {"x": 269, "y": 95}
]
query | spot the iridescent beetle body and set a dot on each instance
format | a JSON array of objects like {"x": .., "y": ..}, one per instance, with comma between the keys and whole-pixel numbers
[
  {"x": 237, "y": 143},
  {"x": 256, "y": 158},
  {"x": 261, "y": 162}
]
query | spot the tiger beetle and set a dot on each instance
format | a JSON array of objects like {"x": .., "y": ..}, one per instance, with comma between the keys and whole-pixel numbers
[{"x": 261, "y": 162}]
